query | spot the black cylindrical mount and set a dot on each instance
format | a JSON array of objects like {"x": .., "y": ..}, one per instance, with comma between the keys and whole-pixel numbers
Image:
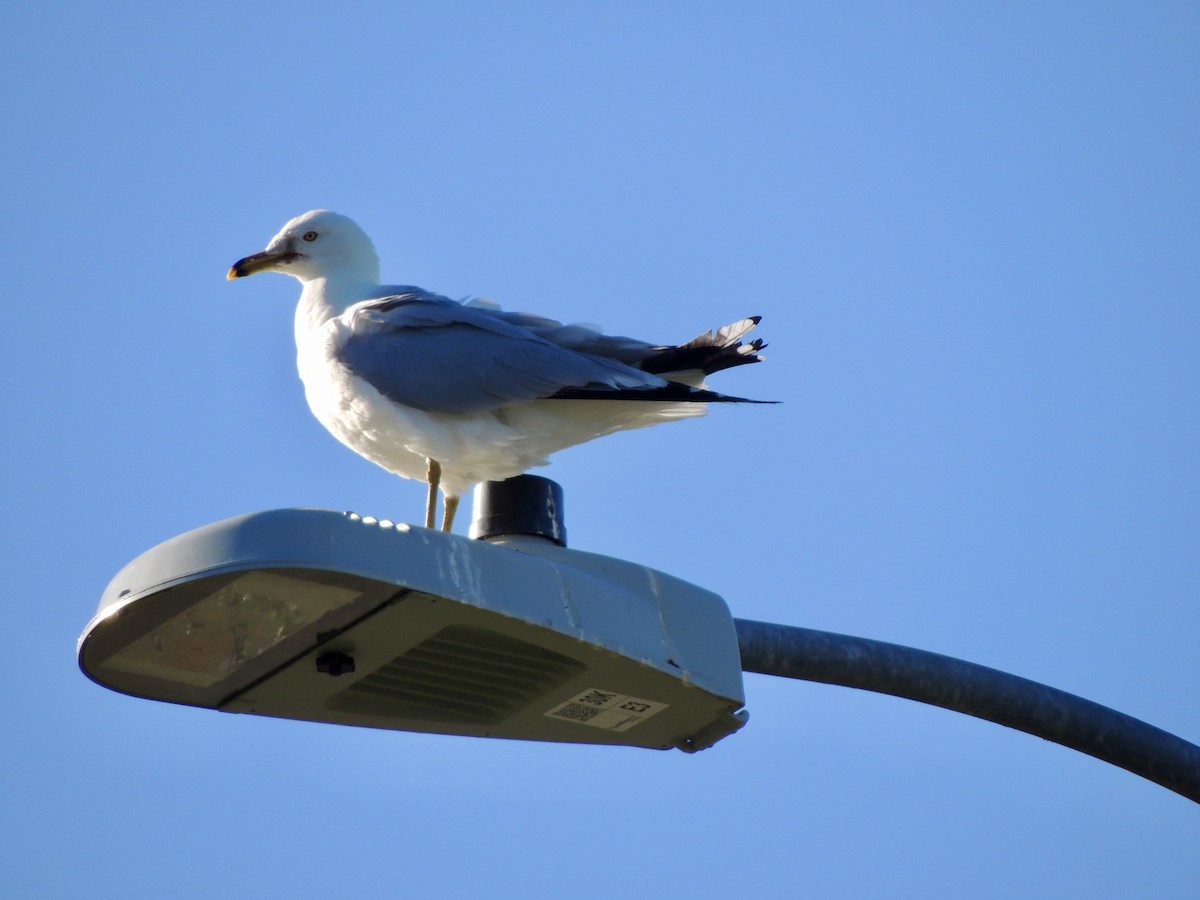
[{"x": 525, "y": 505}]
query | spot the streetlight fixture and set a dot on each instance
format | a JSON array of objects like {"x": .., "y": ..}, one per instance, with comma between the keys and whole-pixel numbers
[{"x": 334, "y": 617}]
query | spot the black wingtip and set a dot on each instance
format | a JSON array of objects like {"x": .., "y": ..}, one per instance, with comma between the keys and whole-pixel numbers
[
  {"x": 671, "y": 392},
  {"x": 709, "y": 351}
]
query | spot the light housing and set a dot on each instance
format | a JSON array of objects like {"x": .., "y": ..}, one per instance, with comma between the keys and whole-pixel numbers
[{"x": 332, "y": 617}]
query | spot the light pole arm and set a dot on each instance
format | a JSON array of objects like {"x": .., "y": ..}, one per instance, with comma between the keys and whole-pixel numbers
[{"x": 965, "y": 687}]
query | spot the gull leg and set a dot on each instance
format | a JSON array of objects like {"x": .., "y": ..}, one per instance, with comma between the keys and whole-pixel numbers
[
  {"x": 433, "y": 475},
  {"x": 449, "y": 508}
]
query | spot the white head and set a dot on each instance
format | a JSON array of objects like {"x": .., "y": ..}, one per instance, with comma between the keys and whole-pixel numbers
[{"x": 318, "y": 244}]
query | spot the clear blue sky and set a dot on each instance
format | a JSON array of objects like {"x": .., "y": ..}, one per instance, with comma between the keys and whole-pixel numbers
[{"x": 973, "y": 232}]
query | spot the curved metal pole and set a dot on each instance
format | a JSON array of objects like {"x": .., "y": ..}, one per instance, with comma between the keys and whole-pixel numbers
[{"x": 976, "y": 690}]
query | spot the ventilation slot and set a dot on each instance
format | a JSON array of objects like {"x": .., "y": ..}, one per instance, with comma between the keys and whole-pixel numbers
[{"x": 461, "y": 674}]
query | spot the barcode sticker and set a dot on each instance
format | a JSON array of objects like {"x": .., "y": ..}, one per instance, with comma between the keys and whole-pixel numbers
[{"x": 606, "y": 709}]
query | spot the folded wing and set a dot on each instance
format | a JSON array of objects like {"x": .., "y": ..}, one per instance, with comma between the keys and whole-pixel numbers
[
  {"x": 428, "y": 352},
  {"x": 431, "y": 353}
]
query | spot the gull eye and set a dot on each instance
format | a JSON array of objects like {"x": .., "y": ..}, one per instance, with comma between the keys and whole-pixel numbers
[{"x": 310, "y": 236}]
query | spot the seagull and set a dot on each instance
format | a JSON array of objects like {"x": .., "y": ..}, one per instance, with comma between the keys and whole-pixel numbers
[{"x": 453, "y": 393}]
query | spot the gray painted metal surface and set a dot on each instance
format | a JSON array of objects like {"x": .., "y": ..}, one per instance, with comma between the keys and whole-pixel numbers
[
  {"x": 596, "y": 630},
  {"x": 975, "y": 690}
]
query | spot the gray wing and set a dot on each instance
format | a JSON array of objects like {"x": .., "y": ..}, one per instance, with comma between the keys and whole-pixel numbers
[
  {"x": 628, "y": 350},
  {"x": 708, "y": 352},
  {"x": 428, "y": 352}
]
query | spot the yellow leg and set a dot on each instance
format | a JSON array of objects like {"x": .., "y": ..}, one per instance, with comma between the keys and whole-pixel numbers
[
  {"x": 433, "y": 475},
  {"x": 449, "y": 508}
]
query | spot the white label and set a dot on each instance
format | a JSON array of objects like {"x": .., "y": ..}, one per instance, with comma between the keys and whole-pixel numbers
[{"x": 606, "y": 709}]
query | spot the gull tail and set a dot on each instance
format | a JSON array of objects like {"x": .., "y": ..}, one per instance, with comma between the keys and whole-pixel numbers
[
  {"x": 681, "y": 367},
  {"x": 708, "y": 352}
]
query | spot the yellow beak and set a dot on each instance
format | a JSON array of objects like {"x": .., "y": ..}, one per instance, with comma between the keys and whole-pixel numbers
[{"x": 258, "y": 262}]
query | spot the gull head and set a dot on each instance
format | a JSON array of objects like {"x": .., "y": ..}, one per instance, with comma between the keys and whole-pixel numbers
[{"x": 318, "y": 244}]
